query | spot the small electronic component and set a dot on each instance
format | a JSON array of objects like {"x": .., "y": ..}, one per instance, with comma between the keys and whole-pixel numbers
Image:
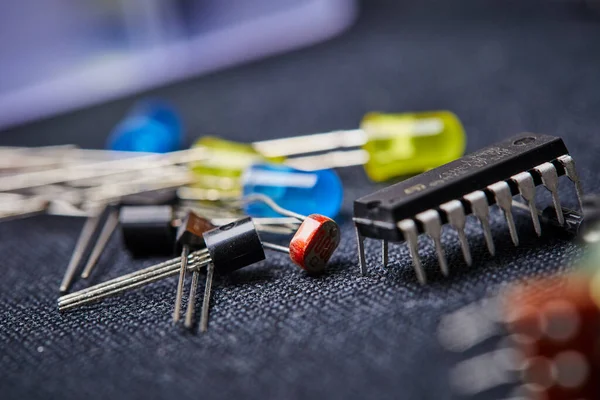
[
  {"x": 144, "y": 210},
  {"x": 387, "y": 145},
  {"x": 151, "y": 126},
  {"x": 230, "y": 247},
  {"x": 469, "y": 185},
  {"x": 304, "y": 192},
  {"x": 147, "y": 230},
  {"x": 105, "y": 219},
  {"x": 224, "y": 249},
  {"x": 314, "y": 243}
]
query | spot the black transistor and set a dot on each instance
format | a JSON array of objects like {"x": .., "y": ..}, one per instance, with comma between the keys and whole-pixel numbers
[
  {"x": 230, "y": 247},
  {"x": 111, "y": 221},
  {"x": 469, "y": 185},
  {"x": 147, "y": 230}
]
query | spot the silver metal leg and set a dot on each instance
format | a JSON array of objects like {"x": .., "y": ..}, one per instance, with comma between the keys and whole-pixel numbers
[
  {"x": 90, "y": 226},
  {"x": 569, "y": 166},
  {"x": 179, "y": 294},
  {"x": 362, "y": 262},
  {"x": 411, "y": 236},
  {"x": 112, "y": 221},
  {"x": 206, "y": 301}
]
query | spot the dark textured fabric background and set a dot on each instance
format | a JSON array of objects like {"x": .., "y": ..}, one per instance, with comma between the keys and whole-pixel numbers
[{"x": 502, "y": 66}]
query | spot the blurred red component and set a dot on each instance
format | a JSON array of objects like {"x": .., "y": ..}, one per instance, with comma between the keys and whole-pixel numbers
[
  {"x": 314, "y": 243},
  {"x": 556, "y": 325}
]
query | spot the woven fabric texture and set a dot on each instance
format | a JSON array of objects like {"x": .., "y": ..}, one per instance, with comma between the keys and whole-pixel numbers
[{"x": 504, "y": 67}]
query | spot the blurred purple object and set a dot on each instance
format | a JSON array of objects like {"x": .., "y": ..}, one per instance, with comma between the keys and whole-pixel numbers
[{"x": 59, "y": 55}]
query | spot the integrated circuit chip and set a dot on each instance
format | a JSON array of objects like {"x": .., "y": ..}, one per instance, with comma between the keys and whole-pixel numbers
[{"x": 469, "y": 185}]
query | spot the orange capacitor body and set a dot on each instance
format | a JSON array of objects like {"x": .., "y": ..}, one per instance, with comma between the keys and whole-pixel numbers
[
  {"x": 556, "y": 323},
  {"x": 314, "y": 243}
]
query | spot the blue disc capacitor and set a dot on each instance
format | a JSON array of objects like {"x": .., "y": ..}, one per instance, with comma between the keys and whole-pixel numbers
[
  {"x": 304, "y": 192},
  {"x": 151, "y": 126}
]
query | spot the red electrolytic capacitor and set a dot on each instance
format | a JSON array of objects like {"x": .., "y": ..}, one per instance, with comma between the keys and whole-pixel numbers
[
  {"x": 556, "y": 323},
  {"x": 314, "y": 243}
]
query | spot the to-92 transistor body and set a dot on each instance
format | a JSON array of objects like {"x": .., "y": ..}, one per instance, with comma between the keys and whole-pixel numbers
[{"x": 469, "y": 185}]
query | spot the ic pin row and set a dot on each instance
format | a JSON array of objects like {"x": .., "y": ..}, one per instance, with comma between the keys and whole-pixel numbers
[{"x": 477, "y": 203}]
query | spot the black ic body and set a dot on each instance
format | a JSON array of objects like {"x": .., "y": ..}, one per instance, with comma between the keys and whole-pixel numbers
[{"x": 376, "y": 215}]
